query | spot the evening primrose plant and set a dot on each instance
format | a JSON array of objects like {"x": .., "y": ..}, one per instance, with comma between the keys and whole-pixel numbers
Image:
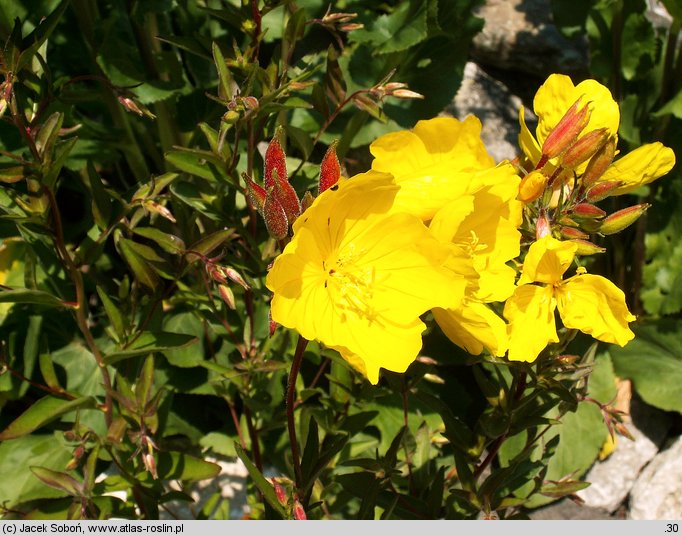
[{"x": 241, "y": 232}]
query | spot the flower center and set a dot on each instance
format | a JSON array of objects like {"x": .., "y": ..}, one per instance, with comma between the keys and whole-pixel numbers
[{"x": 350, "y": 284}]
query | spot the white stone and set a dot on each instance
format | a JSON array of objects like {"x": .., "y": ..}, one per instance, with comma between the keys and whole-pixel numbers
[
  {"x": 612, "y": 479},
  {"x": 657, "y": 494}
]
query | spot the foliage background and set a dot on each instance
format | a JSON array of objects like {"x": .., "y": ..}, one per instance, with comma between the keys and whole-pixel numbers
[{"x": 112, "y": 222}]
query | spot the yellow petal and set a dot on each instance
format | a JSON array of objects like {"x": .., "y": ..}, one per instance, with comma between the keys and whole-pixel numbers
[
  {"x": 639, "y": 167},
  {"x": 595, "y": 306},
  {"x": 474, "y": 327},
  {"x": 432, "y": 163},
  {"x": 356, "y": 276},
  {"x": 527, "y": 142},
  {"x": 484, "y": 223},
  {"x": 558, "y": 94},
  {"x": 530, "y": 313},
  {"x": 547, "y": 260}
]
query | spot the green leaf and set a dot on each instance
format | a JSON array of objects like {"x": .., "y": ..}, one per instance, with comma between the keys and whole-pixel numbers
[
  {"x": 38, "y": 36},
  {"x": 168, "y": 242},
  {"x": 18, "y": 484},
  {"x": 209, "y": 243},
  {"x": 45, "y": 410},
  {"x": 405, "y": 27},
  {"x": 261, "y": 483},
  {"x": 187, "y": 325},
  {"x": 143, "y": 271},
  {"x": 35, "y": 297},
  {"x": 653, "y": 361},
  {"x": 203, "y": 164},
  {"x": 179, "y": 466},
  {"x": 113, "y": 313},
  {"x": 58, "y": 480},
  {"x": 639, "y": 46},
  {"x": 100, "y": 200},
  {"x": 149, "y": 342},
  {"x": 673, "y": 106}
]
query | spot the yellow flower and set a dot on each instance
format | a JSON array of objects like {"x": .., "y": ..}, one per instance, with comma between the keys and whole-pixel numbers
[
  {"x": 357, "y": 275},
  {"x": 556, "y": 96},
  {"x": 553, "y": 100},
  {"x": 639, "y": 167},
  {"x": 432, "y": 163},
  {"x": 589, "y": 303}
]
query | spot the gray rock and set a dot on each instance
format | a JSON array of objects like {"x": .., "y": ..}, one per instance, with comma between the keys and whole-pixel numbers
[
  {"x": 567, "y": 509},
  {"x": 657, "y": 494},
  {"x": 496, "y": 106},
  {"x": 519, "y": 35},
  {"x": 612, "y": 479}
]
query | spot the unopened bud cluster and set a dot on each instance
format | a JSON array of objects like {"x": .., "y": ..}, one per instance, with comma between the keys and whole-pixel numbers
[
  {"x": 561, "y": 192},
  {"x": 276, "y": 200}
]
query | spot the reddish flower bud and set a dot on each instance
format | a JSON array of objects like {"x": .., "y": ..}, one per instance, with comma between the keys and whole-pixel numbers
[
  {"x": 235, "y": 276},
  {"x": 274, "y": 216},
  {"x": 255, "y": 193},
  {"x": 567, "y": 130},
  {"x": 602, "y": 190},
  {"x": 299, "y": 512},
  {"x": 532, "y": 186},
  {"x": 586, "y": 210},
  {"x": 406, "y": 94},
  {"x": 599, "y": 162},
  {"x": 287, "y": 198},
  {"x": 616, "y": 222},
  {"x": 572, "y": 232},
  {"x": 227, "y": 296},
  {"x": 272, "y": 325},
  {"x": 275, "y": 160},
  {"x": 567, "y": 359},
  {"x": 279, "y": 492},
  {"x": 587, "y": 248},
  {"x": 542, "y": 226},
  {"x": 584, "y": 148},
  {"x": 150, "y": 464},
  {"x": 330, "y": 169}
]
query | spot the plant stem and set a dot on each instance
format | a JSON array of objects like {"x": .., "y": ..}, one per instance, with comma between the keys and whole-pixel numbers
[
  {"x": 291, "y": 396},
  {"x": 82, "y": 304}
]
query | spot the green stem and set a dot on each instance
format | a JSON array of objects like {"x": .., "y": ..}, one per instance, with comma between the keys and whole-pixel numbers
[
  {"x": 81, "y": 311},
  {"x": 291, "y": 397}
]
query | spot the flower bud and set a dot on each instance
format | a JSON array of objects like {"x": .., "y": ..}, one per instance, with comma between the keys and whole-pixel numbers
[
  {"x": 406, "y": 94},
  {"x": 255, "y": 193},
  {"x": 234, "y": 276},
  {"x": 227, "y": 296},
  {"x": 599, "y": 162},
  {"x": 567, "y": 359},
  {"x": 586, "y": 210},
  {"x": 272, "y": 325},
  {"x": 584, "y": 148},
  {"x": 299, "y": 512},
  {"x": 542, "y": 226},
  {"x": 306, "y": 201},
  {"x": 330, "y": 169},
  {"x": 616, "y": 222},
  {"x": 150, "y": 464},
  {"x": 274, "y": 216},
  {"x": 275, "y": 160},
  {"x": 279, "y": 492},
  {"x": 567, "y": 130},
  {"x": 351, "y": 26},
  {"x": 602, "y": 190},
  {"x": 587, "y": 248},
  {"x": 532, "y": 186},
  {"x": 572, "y": 232},
  {"x": 287, "y": 198}
]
